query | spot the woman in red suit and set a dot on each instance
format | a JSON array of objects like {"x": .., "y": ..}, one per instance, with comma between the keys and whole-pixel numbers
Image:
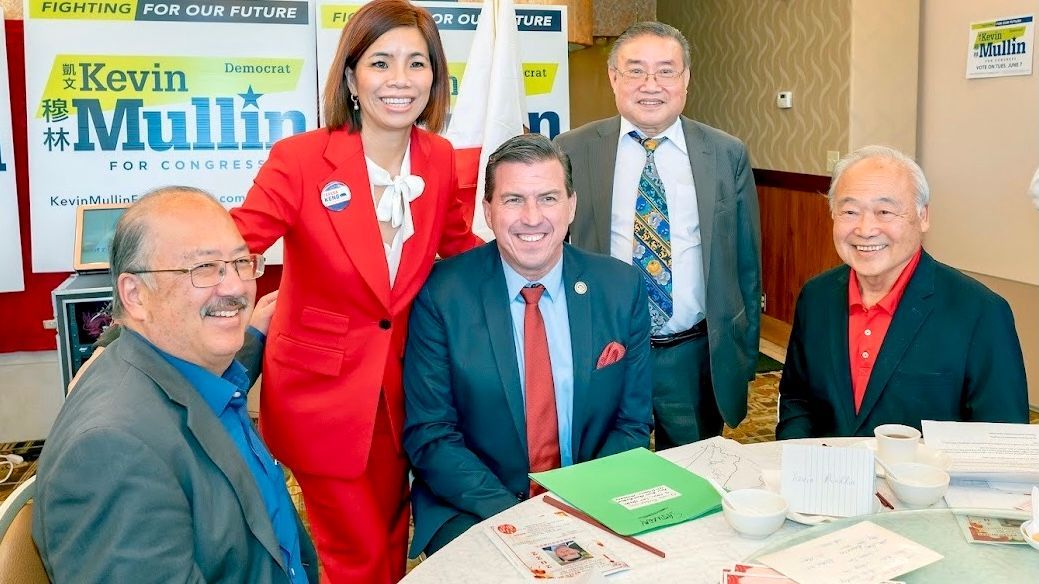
[{"x": 364, "y": 205}]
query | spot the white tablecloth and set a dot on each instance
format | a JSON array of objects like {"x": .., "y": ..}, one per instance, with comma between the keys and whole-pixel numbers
[{"x": 696, "y": 550}]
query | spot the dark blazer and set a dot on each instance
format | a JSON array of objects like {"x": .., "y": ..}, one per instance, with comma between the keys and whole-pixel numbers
[
  {"x": 465, "y": 429},
  {"x": 140, "y": 482},
  {"x": 730, "y": 234},
  {"x": 951, "y": 353}
]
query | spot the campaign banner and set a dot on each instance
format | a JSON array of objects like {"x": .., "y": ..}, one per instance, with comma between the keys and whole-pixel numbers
[
  {"x": 10, "y": 241},
  {"x": 1001, "y": 48},
  {"x": 542, "y": 46},
  {"x": 125, "y": 96}
]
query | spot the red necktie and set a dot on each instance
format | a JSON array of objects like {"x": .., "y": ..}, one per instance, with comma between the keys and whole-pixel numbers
[{"x": 542, "y": 426}]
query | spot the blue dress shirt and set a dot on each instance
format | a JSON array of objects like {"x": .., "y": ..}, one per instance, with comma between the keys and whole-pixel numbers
[
  {"x": 226, "y": 395},
  {"x": 557, "y": 329}
]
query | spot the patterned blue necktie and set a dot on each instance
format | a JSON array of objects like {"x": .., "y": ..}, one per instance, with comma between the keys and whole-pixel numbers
[{"x": 651, "y": 251}]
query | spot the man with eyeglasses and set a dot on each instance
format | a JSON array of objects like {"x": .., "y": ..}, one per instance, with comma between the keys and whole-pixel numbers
[
  {"x": 894, "y": 336},
  {"x": 675, "y": 198},
  {"x": 153, "y": 471}
]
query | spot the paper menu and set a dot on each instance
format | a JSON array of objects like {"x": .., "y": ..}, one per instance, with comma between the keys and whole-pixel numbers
[
  {"x": 987, "y": 450},
  {"x": 864, "y": 553},
  {"x": 819, "y": 480}
]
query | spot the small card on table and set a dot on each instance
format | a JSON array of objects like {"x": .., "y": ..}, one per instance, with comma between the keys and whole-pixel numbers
[
  {"x": 555, "y": 545},
  {"x": 864, "y": 553},
  {"x": 818, "y": 480}
]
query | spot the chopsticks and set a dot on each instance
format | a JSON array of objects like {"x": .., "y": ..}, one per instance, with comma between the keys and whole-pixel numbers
[
  {"x": 592, "y": 521},
  {"x": 884, "y": 501}
]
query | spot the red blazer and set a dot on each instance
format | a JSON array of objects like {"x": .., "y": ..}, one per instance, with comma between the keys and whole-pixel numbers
[{"x": 337, "y": 337}]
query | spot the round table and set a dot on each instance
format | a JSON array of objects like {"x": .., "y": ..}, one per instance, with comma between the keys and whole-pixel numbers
[
  {"x": 938, "y": 529},
  {"x": 696, "y": 550}
]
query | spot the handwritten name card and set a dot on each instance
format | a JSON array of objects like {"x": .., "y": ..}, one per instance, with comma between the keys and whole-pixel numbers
[
  {"x": 828, "y": 481},
  {"x": 864, "y": 553}
]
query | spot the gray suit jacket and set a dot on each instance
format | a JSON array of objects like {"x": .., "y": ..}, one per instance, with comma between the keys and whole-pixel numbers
[
  {"x": 140, "y": 482},
  {"x": 729, "y": 230}
]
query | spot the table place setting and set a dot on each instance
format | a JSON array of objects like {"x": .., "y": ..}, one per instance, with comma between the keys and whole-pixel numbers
[
  {"x": 832, "y": 487},
  {"x": 753, "y": 513},
  {"x": 820, "y": 480},
  {"x": 895, "y": 443}
]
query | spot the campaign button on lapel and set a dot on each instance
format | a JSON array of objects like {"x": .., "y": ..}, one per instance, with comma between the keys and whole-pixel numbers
[{"x": 335, "y": 196}]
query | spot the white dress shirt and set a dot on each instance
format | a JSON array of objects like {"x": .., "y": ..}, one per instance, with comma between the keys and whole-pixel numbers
[
  {"x": 394, "y": 207},
  {"x": 688, "y": 290}
]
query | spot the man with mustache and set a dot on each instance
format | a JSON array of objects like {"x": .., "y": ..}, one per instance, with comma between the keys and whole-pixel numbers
[
  {"x": 153, "y": 471},
  {"x": 894, "y": 336}
]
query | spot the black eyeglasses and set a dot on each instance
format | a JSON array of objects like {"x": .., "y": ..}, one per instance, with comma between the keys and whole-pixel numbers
[{"x": 210, "y": 273}]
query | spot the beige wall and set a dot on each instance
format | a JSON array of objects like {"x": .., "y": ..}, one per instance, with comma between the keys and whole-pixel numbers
[
  {"x": 979, "y": 145},
  {"x": 590, "y": 95},
  {"x": 745, "y": 51},
  {"x": 885, "y": 40}
]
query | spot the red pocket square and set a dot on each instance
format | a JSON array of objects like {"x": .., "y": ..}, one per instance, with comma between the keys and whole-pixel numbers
[{"x": 613, "y": 352}]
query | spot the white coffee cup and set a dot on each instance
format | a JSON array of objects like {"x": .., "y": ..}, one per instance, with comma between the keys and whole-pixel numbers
[{"x": 896, "y": 443}]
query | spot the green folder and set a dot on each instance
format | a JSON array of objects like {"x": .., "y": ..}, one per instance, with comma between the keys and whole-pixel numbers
[{"x": 633, "y": 491}]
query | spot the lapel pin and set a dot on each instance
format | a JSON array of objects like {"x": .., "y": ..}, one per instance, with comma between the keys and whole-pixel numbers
[
  {"x": 580, "y": 287},
  {"x": 335, "y": 196}
]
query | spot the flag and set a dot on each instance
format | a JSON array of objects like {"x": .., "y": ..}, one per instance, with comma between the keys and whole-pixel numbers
[{"x": 491, "y": 104}]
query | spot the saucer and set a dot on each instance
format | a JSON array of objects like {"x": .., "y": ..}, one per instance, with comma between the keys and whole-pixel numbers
[
  {"x": 924, "y": 455},
  {"x": 1024, "y": 533},
  {"x": 809, "y": 519}
]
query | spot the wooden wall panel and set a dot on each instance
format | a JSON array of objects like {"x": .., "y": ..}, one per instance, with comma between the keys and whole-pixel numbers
[{"x": 796, "y": 244}]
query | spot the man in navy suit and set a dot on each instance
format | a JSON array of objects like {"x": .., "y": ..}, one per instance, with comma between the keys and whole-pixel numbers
[
  {"x": 523, "y": 355},
  {"x": 894, "y": 336}
]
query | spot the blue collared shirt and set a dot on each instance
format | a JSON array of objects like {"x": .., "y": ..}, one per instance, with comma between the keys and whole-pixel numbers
[
  {"x": 557, "y": 328},
  {"x": 226, "y": 396}
]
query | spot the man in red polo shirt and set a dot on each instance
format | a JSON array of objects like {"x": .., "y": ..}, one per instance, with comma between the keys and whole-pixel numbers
[{"x": 894, "y": 336}]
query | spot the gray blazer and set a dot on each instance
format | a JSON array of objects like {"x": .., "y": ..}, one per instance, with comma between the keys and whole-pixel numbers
[
  {"x": 139, "y": 482},
  {"x": 730, "y": 233}
]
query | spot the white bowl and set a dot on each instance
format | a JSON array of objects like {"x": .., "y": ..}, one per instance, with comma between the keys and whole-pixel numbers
[
  {"x": 918, "y": 485},
  {"x": 757, "y": 513},
  {"x": 1032, "y": 537}
]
